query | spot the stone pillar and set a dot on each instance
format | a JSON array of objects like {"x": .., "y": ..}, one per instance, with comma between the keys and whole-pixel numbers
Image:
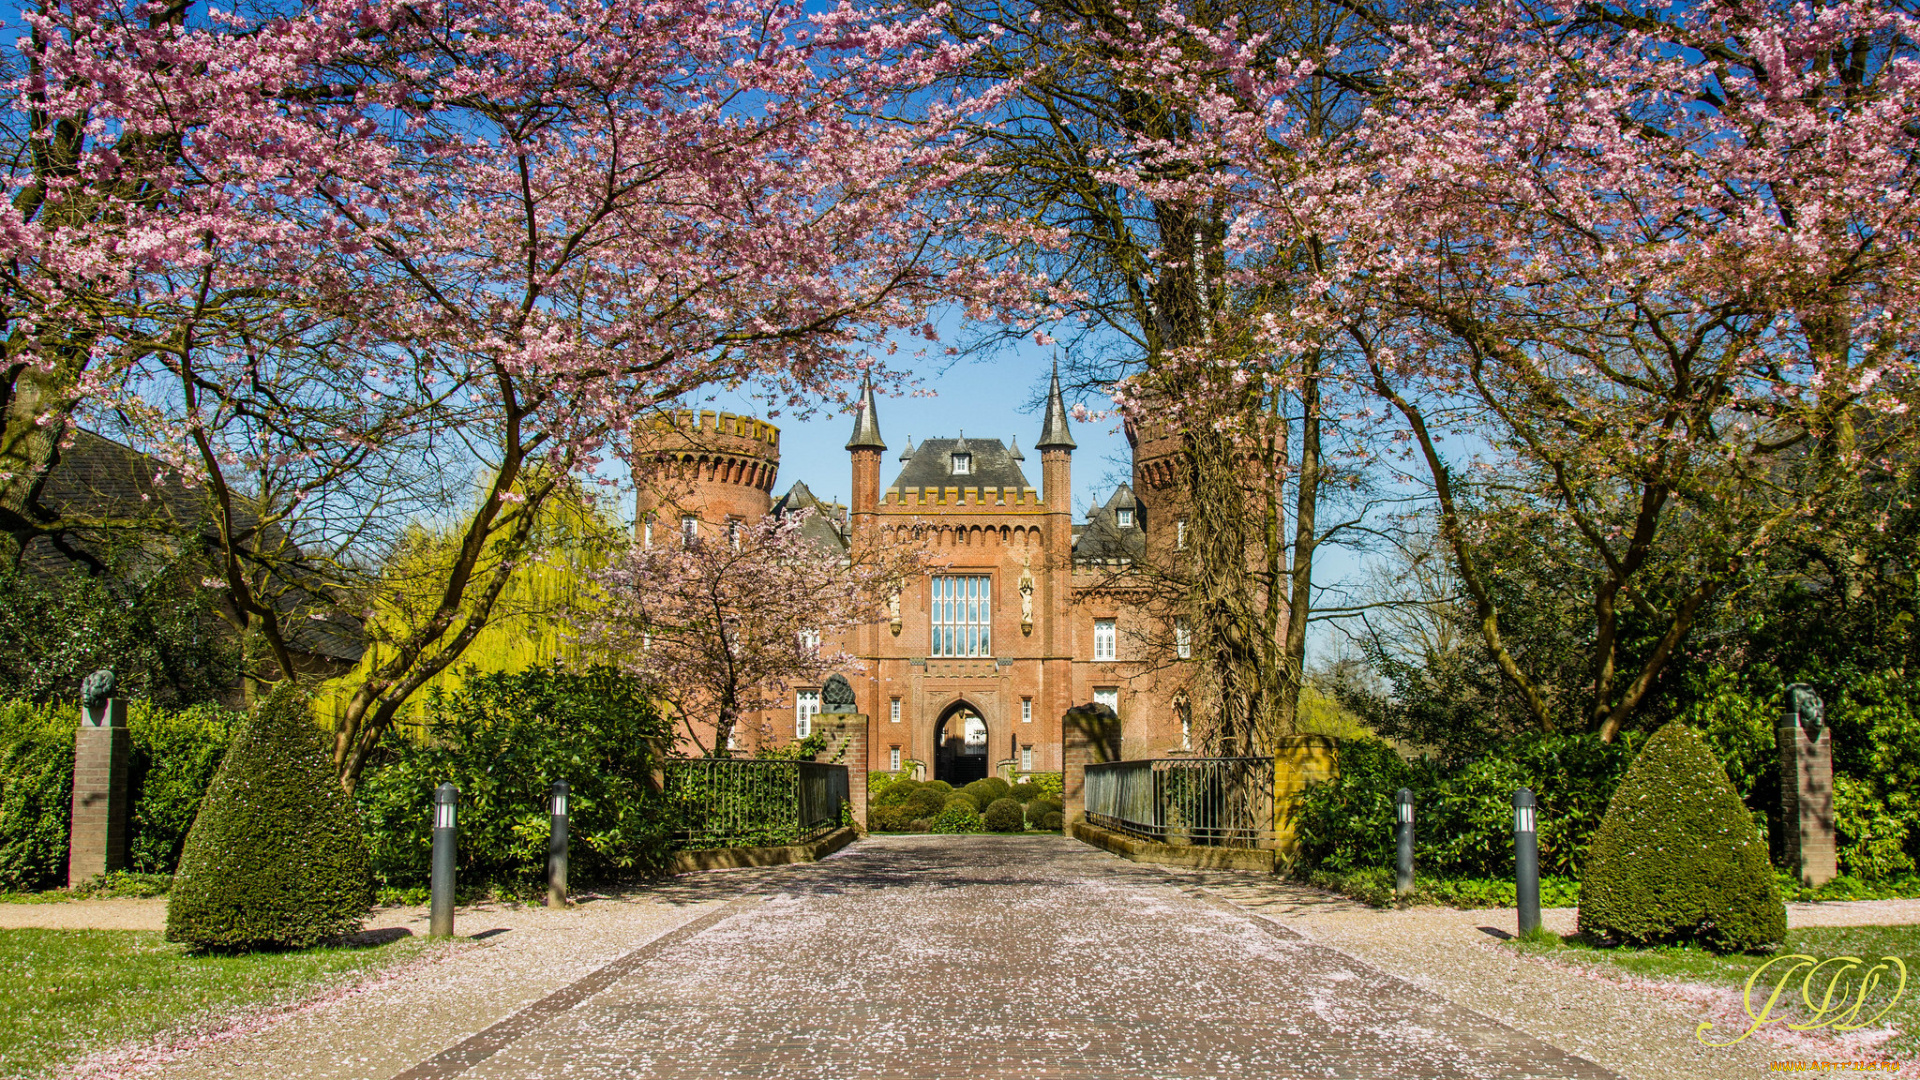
[
  {"x": 1088, "y": 734},
  {"x": 850, "y": 731},
  {"x": 101, "y": 749},
  {"x": 1297, "y": 762},
  {"x": 1806, "y": 787}
]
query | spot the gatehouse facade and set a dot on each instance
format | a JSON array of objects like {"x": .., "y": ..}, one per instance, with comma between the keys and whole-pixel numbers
[{"x": 1023, "y": 613}]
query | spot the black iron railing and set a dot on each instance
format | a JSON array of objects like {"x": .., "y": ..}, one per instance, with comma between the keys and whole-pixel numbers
[
  {"x": 1216, "y": 802},
  {"x": 731, "y": 802}
]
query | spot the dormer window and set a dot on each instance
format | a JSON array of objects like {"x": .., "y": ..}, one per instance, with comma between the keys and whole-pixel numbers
[
  {"x": 963, "y": 464},
  {"x": 1126, "y": 519}
]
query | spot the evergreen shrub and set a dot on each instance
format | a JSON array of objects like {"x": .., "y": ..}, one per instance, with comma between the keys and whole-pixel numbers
[
  {"x": 940, "y": 786},
  {"x": 275, "y": 858},
  {"x": 1025, "y": 792},
  {"x": 1041, "y": 807},
  {"x": 958, "y": 817},
  {"x": 981, "y": 792},
  {"x": 894, "y": 793},
  {"x": 1677, "y": 859},
  {"x": 503, "y": 738},
  {"x": 1004, "y": 815},
  {"x": 1053, "y": 821},
  {"x": 926, "y": 802},
  {"x": 888, "y": 819},
  {"x": 961, "y": 798}
]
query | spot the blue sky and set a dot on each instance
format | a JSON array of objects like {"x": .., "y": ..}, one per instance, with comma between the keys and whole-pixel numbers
[{"x": 998, "y": 398}]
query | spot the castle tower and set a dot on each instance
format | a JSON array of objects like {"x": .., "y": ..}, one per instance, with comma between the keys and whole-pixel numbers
[
  {"x": 1056, "y": 447},
  {"x": 713, "y": 467},
  {"x": 865, "y": 447}
]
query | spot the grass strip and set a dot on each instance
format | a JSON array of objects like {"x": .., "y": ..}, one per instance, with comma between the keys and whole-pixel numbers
[
  {"x": 1691, "y": 964},
  {"x": 71, "y": 993}
]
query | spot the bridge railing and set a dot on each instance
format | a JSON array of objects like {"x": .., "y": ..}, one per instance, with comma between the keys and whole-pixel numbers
[
  {"x": 1214, "y": 802},
  {"x": 737, "y": 802}
]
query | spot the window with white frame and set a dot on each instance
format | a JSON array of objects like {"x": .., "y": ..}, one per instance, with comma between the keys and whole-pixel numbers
[
  {"x": 962, "y": 615},
  {"x": 689, "y": 530},
  {"x": 893, "y": 759},
  {"x": 806, "y": 706},
  {"x": 646, "y": 532},
  {"x": 1182, "y": 639},
  {"x": 963, "y": 464},
  {"x": 1106, "y": 640},
  {"x": 810, "y": 640},
  {"x": 1108, "y": 696},
  {"x": 1026, "y": 759},
  {"x": 1126, "y": 518},
  {"x": 893, "y": 711},
  {"x": 1180, "y": 535},
  {"x": 733, "y": 532},
  {"x": 1026, "y": 710}
]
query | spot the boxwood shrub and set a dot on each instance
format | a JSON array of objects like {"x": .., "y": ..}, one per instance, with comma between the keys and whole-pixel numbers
[
  {"x": 1677, "y": 858},
  {"x": 1004, "y": 815}
]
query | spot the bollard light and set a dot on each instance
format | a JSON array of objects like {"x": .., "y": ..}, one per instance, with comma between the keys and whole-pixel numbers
[
  {"x": 440, "y": 918},
  {"x": 1403, "y": 861},
  {"x": 1526, "y": 862},
  {"x": 557, "y": 849}
]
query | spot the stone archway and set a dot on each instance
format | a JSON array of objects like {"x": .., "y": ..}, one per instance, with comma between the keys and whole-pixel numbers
[{"x": 960, "y": 745}]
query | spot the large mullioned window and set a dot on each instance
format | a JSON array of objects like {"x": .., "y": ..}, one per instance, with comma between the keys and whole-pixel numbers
[{"x": 962, "y": 615}]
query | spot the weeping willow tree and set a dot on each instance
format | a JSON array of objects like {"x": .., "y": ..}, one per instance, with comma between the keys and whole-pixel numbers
[{"x": 529, "y": 624}]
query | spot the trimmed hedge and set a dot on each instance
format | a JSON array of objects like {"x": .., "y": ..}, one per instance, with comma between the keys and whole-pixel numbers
[
  {"x": 1053, "y": 821},
  {"x": 275, "y": 858},
  {"x": 1042, "y": 806},
  {"x": 958, "y": 817},
  {"x": 175, "y": 754},
  {"x": 1677, "y": 857},
  {"x": 1004, "y": 815},
  {"x": 503, "y": 739}
]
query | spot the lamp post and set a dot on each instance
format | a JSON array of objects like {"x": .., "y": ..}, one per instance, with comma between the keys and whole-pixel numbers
[
  {"x": 1526, "y": 861},
  {"x": 445, "y": 798},
  {"x": 1403, "y": 861},
  {"x": 557, "y": 849}
]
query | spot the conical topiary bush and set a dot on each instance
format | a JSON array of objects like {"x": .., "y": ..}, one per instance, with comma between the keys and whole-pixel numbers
[
  {"x": 275, "y": 858},
  {"x": 1676, "y": 858}
]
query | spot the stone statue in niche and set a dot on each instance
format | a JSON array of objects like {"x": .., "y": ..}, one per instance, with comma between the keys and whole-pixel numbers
[
  {"x": 836, "y": 695},
  {"x": 1026, "y": 599},
  {"x": 96, "y": 689},
  {"x": 893, "y": 613}
]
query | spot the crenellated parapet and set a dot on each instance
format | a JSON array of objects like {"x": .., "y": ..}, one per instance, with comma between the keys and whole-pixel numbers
[{"x": 712, "y": 465}]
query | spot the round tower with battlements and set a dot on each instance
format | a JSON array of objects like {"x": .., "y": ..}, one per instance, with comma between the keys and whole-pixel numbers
[{"x": 710, "y": 467}]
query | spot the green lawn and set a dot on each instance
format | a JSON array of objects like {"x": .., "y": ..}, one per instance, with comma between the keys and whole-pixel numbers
[
  {"x": 69, "y": 993},
  {"x": 1686, "y": 964}
]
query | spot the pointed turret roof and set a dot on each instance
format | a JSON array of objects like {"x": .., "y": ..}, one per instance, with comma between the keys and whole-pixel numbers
[
  {"x": 1053, "y": 430},
  {"x": 907, "y": 454},
  {"x": 866, "y": 422},
  {"x": 1013, "y": 451}
]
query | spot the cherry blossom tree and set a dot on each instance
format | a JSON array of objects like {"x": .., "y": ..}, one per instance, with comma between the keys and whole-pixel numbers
[
  {"x": 1649, "y": 271},
  {"x": 399, "y": 256},
  {"x": 725, "y": 625}
]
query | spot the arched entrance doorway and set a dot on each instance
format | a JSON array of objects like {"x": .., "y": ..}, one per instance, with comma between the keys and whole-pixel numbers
[{"x": 960, "y": 745}]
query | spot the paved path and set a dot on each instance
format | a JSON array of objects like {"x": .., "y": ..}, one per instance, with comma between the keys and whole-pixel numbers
[{"x": 992, "y": 957}]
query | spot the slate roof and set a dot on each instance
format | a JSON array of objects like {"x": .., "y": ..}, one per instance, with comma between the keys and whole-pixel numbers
[
  {"x": 1103, "y": 539},
  {"x": 824, "y": 526},
  {"x": 99, "y": 480},
  {"x": 931, "y": 465}
]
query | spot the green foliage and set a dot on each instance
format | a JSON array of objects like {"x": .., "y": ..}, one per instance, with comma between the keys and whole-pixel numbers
[
  {"x": 1042, "y": 806},
  {"x": 1463, "y": 816},
  {"x": 984, "y": 792},
  {"x": 1053, "y": 821},
  {"x": 36, "y": 793},
  {"x": 958, "y": 817},
  {"x": 926, "y": 801},
  {"x": 119, "y": 884},
  {"x": 151, "y": 623},
  {"x": 1374, "y": 886},
  {"x": 1848, "y": 887},
  {"x": 893, "y": 818},
  {"x": 275, "y": 858},
  {"x": 961, "y": 798},
  {"x": 1677, "y": 859},
  {"x": 879, "y": 783},
  {"x": 1025, "y": 792},
  {"x": 940, "y": 786},
  {"x": 1004, "y": 815},
  {"x": 1051, "y": 784},
  {"x": 174, "y": 755},
  {"x": 892, "y": 794},
  {"x": 503, "y": 739}
]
